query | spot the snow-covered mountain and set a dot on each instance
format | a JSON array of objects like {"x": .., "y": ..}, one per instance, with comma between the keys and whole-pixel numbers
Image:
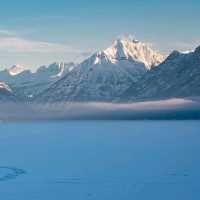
[
  {"x": 129, "y": 70},
  {"x": 177, "y": 76},
  {"x": 6, "y": 94},
  {"x": 133, "y": 51},
  {"x": 106, "y": 74},
  {"x": 26, "y": 83}
]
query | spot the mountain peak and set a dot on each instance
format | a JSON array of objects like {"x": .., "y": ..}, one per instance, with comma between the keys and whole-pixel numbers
[
  {"x": 174, "y": 54},
  {"x": 16, "y": 69},
  {"x": 133, "y": 50},
  {"x": 52, "y": 68},
  {"x": 55, "y": 70},
  {"x": 123, "y": 41}
]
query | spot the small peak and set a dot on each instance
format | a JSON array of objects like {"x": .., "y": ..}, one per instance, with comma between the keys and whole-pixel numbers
[
  {"x": 125, "y": 40},
  {"x": 135, "y": 41},
  {"x": 49, "y": 68},
  {"x": 16, "y": 69},
  {"x": 174, "y": 54},
  {"x": 197, "y": 50},
  {"x": 117, "y": 42}
]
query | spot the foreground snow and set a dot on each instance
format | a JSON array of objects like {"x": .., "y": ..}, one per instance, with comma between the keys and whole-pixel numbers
[{"x": 100, "y": 160}]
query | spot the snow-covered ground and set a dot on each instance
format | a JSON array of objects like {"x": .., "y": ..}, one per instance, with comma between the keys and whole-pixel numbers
[{"x": 100, "y": 160}]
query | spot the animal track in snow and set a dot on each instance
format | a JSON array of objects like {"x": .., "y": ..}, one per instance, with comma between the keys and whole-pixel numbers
[{"x": 8, "y": 173}]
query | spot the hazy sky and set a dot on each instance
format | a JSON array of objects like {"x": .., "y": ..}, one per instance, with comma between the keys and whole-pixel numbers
[{"x": 40, "y": 32}]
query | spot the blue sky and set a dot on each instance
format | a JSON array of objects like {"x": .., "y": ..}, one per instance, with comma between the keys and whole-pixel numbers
[{"x": 40, "y": 32}]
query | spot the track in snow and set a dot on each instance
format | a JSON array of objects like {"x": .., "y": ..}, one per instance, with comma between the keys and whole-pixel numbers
[{"x": 9, "y": 173}]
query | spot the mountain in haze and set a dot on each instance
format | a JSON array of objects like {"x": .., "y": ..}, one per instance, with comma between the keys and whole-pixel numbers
[
  {"x": 27, "y": 84},
  {"x": 6, "y": 94},
  {"x": 106, "y": 74},
  {"x": 177, "y": 76}
]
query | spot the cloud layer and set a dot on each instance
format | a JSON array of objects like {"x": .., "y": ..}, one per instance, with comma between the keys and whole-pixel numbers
[
  {"x": 18, "y": 49},
  {"x": 168, "y": 109},
  {"x": 17, "y": 44}
]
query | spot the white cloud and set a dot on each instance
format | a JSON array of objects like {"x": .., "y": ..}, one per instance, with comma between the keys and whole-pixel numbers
[
  {"x": 17, "y": 44},
  {"x": 15, "y": 49},
  {"x": 4, "y": 32}
]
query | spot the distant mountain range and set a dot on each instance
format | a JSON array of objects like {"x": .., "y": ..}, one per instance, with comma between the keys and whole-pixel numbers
[
  {"x": 127, "y": 71},
  {"x": 27, "y": 84}
]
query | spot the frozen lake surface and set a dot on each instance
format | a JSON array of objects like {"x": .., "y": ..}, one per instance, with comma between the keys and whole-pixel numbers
[{"x": 113, "y": 160}]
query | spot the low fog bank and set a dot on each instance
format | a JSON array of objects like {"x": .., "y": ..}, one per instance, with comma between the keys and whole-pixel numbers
[{"x": 163, "y": 110}]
